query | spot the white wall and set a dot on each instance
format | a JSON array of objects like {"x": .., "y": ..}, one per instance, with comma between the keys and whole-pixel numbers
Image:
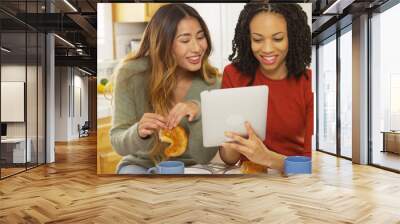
[
  {"x": 12, "y": 73},
  {"x": 33, "y": 126},
  {"x": 62, "y": 81},
  {"x": 124, "y": 33},
  {"x": 104, "y": 32},
  {"x": 221, "y": 19},
  {"x": 85, "y": 98},
  {"x": 69, "y": 85},
  {"x": 81, "y": 104}
]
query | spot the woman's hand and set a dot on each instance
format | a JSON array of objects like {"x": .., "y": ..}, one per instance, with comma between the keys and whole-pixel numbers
[
  {"x": 180, "y": 110},
  {"x": 253, "y": 148},
  {"x": 150, "y": 123}
]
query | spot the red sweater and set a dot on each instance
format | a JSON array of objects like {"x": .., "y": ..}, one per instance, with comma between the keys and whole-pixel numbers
[{"x": 290, "y": 110}]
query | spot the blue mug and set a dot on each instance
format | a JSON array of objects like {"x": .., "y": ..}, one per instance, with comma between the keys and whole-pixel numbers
[
  {"x": 168, "y": 167},
  {"x": 298, "y": 165}
]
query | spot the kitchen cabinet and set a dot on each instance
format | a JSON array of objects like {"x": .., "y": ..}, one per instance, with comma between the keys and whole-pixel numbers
[{"x": 134, "y": 12}]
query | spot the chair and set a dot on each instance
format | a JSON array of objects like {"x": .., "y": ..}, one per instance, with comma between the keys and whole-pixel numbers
[{"x": 84, "y": 130}]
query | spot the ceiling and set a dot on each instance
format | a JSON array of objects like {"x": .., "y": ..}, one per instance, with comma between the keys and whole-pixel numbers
[{"x": 76, "y": 24}]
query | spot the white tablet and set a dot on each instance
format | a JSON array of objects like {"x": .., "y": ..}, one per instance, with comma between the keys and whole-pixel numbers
[{"x": 227, "y": 110}]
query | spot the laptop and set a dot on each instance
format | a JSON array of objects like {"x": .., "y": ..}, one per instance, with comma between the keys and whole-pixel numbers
[{"x": 228, "y": 109}]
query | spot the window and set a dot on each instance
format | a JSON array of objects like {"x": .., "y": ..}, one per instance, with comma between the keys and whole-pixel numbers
[
  {"x": 22, "y": 63},
  {"x": 327, "y": 96},
  {"x": 385, "y": 88},
  {"x": 346, "y": 93}
]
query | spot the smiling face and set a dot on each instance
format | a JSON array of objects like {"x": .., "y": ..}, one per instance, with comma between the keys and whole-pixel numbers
[
  {"x": 189, "y": 44},
  {"x": 269, "y": 42}
]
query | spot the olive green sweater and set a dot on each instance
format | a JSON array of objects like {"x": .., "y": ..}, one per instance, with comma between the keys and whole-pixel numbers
[{"x": 131, "y": 101}]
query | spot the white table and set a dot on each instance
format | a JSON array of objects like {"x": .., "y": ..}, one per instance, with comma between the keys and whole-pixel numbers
[{"x": 17, "y": 145}]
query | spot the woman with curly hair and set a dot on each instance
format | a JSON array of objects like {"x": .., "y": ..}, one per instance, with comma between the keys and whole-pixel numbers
[
  {"x": 272, "y": 46},
  {"x": 159, "y": 88}
]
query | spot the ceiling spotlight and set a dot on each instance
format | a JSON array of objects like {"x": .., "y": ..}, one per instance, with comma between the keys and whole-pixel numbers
[
  {"x": 337, "y": 7},
  {"x": 64, "y": 40},
  {"x": 84, "y": 71},
  {"x": 5, "y": 50},
  {"x": 70, "y": 5}
]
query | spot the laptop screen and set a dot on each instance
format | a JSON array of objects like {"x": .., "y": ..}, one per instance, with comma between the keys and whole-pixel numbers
[{"x": 3, "y": 129}]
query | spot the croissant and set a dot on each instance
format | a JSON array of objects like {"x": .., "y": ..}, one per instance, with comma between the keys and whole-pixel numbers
[
  {"x": 177, "y": 138},
  {"x": 249, "y": 167}
]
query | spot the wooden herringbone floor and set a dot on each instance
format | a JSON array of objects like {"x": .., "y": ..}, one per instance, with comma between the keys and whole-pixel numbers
[{"x": 69, "y": 191}]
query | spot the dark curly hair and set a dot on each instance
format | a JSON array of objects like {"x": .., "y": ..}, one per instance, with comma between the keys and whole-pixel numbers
[{"x": 299, "y": 35}]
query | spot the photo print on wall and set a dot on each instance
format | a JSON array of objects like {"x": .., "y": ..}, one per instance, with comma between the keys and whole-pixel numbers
[{"x": 204, "y": 88}]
